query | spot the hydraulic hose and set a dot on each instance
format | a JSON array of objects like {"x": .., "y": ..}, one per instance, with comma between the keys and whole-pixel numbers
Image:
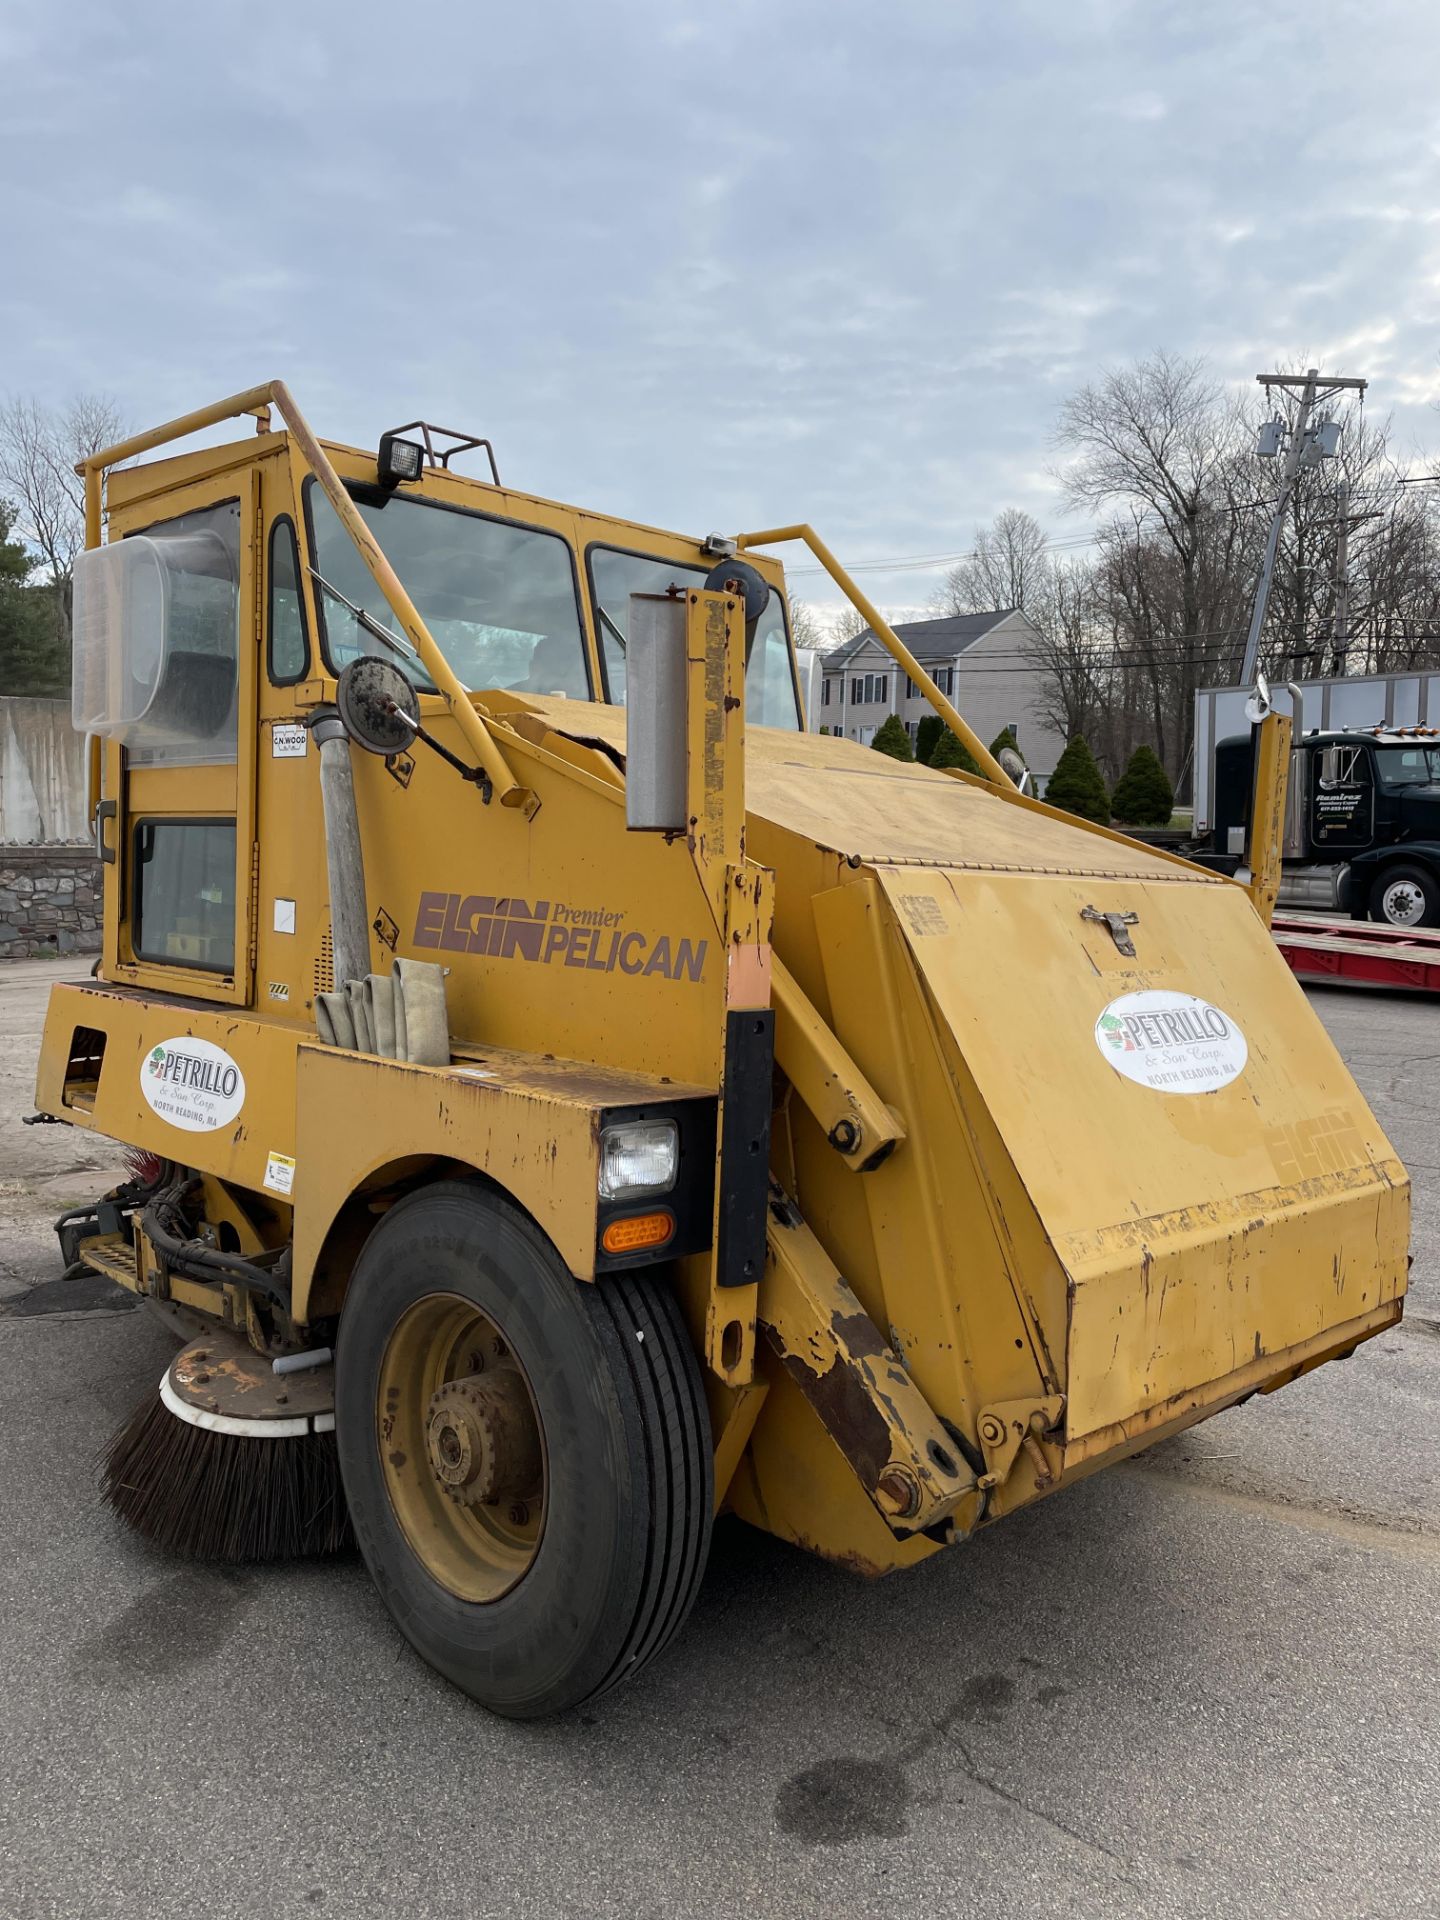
[{"x": 166, "y": 1229}]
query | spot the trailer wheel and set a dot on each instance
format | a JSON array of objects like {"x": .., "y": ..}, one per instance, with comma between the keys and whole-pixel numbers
[
  {"x": 527, "y": 1457},
  {"x": 1405, "y": 897}
]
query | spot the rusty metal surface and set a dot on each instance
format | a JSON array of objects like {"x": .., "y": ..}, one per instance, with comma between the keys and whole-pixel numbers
[
  {"x": 221, "y": 1373},
  {"x": 892, "y": 1442}
]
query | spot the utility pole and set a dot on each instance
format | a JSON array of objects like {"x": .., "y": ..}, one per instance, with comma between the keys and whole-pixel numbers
[
  {"x": 1340, "y": 618},
  {"x": 1307, "y": 447}
]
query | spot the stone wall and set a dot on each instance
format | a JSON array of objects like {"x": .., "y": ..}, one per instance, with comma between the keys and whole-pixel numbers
[{"x": 49, "y": 901}]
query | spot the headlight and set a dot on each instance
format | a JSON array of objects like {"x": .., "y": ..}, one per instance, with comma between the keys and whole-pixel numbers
[{"x": 638, "y": 1156}]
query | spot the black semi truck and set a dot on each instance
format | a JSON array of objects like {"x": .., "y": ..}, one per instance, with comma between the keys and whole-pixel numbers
[{"x": 1362, "y": 822}]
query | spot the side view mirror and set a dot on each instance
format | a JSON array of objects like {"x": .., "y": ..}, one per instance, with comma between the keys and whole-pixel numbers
[
  {"x": 656, "y": 745},
  {"x": 377, "y": 705},
  {"x": 1015, "y": 767}
]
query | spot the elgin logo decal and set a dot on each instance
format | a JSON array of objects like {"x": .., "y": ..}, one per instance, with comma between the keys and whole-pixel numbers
[{"x": 553, "y": 935}]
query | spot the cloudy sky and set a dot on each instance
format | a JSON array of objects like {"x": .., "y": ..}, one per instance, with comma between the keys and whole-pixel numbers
[{"x": 721, "y": 266}]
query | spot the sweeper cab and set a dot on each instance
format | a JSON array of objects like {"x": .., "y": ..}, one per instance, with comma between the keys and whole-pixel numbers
[{"x": 566, "y": 1098}]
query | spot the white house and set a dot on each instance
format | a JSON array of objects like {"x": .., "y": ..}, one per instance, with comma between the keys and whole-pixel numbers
[{"x": 983, "y": 662}]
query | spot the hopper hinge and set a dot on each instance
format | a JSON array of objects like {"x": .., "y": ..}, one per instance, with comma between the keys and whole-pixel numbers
[{"x": 1011, "y": 1427}]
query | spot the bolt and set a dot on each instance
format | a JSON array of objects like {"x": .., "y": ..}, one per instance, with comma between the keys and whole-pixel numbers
[
  {"x": 897, "y": 1492},
  {"x": 991, "y": 1430},
  {"x": 497, "y": 1347},
  {"x": 519, "y": 1514},
  {"x": 201, "y": 1377},
  {"x": 845, "y": 1136}
]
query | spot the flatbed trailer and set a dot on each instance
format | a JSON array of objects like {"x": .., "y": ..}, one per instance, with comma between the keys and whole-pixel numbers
[{"x": 1359, "y": 953}]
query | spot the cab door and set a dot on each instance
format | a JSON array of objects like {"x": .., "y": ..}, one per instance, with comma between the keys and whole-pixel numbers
[
  {"x": 177, "y": 820},
  {"x": 1342, "y": 799}
]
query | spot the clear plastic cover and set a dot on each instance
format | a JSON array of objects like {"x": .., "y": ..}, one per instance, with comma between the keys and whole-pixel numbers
[{"x": 155, "y": 629}]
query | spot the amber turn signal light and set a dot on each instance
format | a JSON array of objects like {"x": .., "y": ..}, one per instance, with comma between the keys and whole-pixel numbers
[{"x": 638, "y": 1232}]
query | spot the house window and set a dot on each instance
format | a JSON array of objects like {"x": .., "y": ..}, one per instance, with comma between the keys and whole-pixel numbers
[
  {"x": 912, "y": 727},
  {"x": 825, "y": 694},
  {"x": 910, "y": 688},
  {"x": 945, "y": 679},
  {"x": 857, "y": 691}
]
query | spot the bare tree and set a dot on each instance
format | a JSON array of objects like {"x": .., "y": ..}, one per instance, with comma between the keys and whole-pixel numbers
[
  {"x": 1159, "y": 442},
  {"x": 1009, "y": 567},
  {"x": 1071, "y": 653},
  {"x": 845, "y": 625},
  {"x": 39, "y": 449},
  {"x": 806, "y": 628}
]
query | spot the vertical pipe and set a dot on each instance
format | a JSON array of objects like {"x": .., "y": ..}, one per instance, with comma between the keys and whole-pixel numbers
[{"x": 344, "y": 861}]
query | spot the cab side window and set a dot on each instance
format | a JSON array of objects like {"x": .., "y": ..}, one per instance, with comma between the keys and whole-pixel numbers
[
  {"x": 289, "y": 650},
  {"x": 183, "y": 903}
]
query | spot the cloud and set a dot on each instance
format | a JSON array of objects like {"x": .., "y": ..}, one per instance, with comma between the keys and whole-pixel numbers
[{"x": 824, "y": 261}]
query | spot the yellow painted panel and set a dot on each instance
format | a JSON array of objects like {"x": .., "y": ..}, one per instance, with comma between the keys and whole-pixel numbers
[
  {"x": 861, "y": 803},
  {"x": 1197, "y": 1230}
]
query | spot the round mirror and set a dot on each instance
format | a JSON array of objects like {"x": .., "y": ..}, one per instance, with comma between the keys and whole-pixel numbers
[
  {"x": 1258, "y": 705},
  {"x": 1013, "y": 765},
  {"x": 739, "y": 577},
  {"x": 377, "y": 705}
]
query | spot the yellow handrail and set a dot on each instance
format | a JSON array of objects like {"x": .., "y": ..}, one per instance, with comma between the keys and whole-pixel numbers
[
  {"x": 986, "y": 761},
  {"x": 259, "y": 400}
]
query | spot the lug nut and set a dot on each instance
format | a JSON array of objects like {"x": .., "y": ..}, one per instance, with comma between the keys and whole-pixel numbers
[{"x": 519, "y": 1514}]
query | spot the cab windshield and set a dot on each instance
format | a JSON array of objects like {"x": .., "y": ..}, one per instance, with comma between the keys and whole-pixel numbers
[
  {"x": 1407, "y": 766},
  {"x": 500, "y": 600},
  {"x": 770, "y": 696}
]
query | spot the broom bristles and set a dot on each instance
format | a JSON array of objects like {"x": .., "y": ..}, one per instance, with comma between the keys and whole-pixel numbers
[{"x": 218, "y": 1496}]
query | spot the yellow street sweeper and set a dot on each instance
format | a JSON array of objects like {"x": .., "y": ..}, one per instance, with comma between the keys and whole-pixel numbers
[{"x": 565, "y": 1098}]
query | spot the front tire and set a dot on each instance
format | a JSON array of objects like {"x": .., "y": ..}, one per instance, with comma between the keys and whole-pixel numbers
[
  {"x": 542, "y": 1543},
  {"x": 1405, "y": 896}
]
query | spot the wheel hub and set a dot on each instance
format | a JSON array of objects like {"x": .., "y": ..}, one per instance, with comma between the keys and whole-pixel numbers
[
  {"x": 482, "y": 1441},
  {"x": 1402, "y": 903}
]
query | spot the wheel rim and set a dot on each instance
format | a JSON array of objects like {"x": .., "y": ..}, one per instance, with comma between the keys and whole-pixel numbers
[
  {"x": 1402, "y": 903},
  {"x": 461, "y": 1447}
]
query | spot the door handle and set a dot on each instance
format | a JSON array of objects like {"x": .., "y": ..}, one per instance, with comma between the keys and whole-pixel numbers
[{"x": 106, "y": 810}]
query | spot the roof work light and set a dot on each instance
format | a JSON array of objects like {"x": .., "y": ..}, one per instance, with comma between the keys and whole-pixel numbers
[{"x": 400, "y": 460}]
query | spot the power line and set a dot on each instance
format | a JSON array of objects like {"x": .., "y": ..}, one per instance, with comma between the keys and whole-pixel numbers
[{"x": 931, "y": 562}]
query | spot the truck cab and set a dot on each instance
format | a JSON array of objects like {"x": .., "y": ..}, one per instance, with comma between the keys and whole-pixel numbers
[{"x": 1362, "y": 822}]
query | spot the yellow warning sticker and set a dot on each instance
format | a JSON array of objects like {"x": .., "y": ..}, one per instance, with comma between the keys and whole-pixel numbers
[{"x": 280, "y": 1173}]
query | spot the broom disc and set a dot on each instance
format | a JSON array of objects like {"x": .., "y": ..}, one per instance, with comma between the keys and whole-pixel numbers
[{"x": 231, "y": 1461}]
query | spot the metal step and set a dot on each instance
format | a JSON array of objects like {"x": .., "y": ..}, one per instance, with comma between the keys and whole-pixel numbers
[{"x": 112, "y": 1254}]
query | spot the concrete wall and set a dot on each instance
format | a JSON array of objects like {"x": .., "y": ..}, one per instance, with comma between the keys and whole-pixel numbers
[
  {"x": 49, "y": 876},
  {"x": 42, "y": 775},
  {"x": 49, "y": 901}
]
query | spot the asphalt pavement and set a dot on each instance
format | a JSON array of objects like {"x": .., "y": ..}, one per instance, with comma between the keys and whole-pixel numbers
[{"x": 1203, "y": 1684}]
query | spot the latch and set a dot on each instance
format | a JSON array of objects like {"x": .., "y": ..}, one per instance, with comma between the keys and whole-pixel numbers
[
  {"x": 1117, "y": 923},
  {"x": 1011, "y": 1425}
]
